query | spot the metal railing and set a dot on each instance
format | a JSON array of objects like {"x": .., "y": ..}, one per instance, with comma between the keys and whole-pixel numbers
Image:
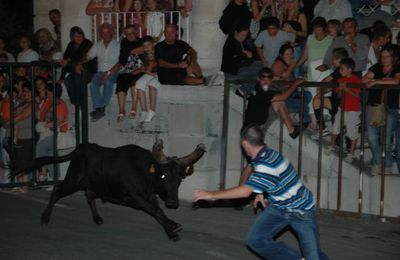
[
  {"x": 120, "y": 19},
  {"x": 361, "y": 164},
  {"x": 81, "y": 116}
]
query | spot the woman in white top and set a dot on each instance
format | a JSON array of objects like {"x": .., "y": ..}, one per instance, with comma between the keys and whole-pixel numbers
[
  {"x": 26, "y": 54},
  {"x": 154, "y": 21}
]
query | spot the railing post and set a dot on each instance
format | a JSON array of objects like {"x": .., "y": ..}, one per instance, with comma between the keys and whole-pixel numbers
[
  {"x": 383, "y": 156},
  {"x": 341, "y": 138},
  {"x": 85, "y": 118},
  {"x": 224, "y": 135},
  {"x": 300, "y": 150},
  {"x": 320, "y": 126},
  {"x": 362, "y": 148}
]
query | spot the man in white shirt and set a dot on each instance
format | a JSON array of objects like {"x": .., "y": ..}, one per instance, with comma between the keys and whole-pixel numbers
[
  {"x": 107, "y": 52},
  {"x": 333, "y": 9}
]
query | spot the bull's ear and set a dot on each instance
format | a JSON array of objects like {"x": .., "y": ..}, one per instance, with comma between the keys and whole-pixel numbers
[{"x": 188, "y": 170}]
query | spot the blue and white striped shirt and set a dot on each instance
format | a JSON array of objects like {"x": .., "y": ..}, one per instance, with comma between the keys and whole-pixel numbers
[{"x": 275, "y": 175}]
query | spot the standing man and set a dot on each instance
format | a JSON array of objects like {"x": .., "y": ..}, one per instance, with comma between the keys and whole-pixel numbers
[
  {"x": 107, "y": 53},
  {"x": 290, "y": 202},
  {"x": 55, "y": 18}
]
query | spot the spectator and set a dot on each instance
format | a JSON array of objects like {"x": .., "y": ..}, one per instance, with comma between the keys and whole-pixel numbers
[
  {"x": 334, "y": 28},
  {"x": 55, "y": 18},
  {"x": 26, "y": 54},
  {"x": 356, "y": 44},
  {"x": 351, "y": 108},
  {"x": 385, "y": 72},
  {"x": 234, "y": 15},
  {"x": 294, "y": 21},
  {"x": 333, "y": 9},
  {"x": 261, "y": 10},
  {"x": 47, "y": 46},
  {"x": 237, "y": 60},
  {"x": 106, "y": 51},
  {"x": 331, "y": 102},
  {"x": 266, "y": 95},
  {"x": 155, "y": 20},
  {"x": 130, "y": 69},
  {"x": 269, "y": 41},
  {"x": 279, "y": 6},
  {"x": 40, "y": 91},
  {"x": 382, "y": 36},
  {"x": 177, "y": 61},
  {"x": 95, "y": 7},
  {"x": 138, "y": 17},
  {"x": 148, "y": 82},
  {"x": 283, "y": 69},
  {"x": 10, "y": 57},
  {"x": 45, "y": 145},
  {"x": 77, "y": 50},
  {"x": 22, "y": 154}
]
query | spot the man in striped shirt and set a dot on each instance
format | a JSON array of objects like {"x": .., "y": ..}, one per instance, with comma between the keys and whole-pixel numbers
[{"x": 290, "y": 202}]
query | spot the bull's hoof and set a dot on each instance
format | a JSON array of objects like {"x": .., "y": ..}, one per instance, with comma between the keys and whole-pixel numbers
[
  {"x": 98, "y": 220},
  {"x": 174, "y": 237},
  {"x": 44, "y": 220}
]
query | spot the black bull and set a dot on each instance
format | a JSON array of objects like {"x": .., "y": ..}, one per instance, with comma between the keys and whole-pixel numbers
[{"x": 127, "y": 175}]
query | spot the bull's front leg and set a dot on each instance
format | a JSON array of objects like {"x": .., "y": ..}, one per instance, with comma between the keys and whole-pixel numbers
[{"x": 148, "y": 206}]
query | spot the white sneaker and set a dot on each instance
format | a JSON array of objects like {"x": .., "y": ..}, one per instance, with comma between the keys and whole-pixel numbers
[
  {"x": 349, "y": 158},
  {"x": 315, "y": 136},
  {"x": 143, "y": 117},
  {"x": 149, "y": 116}
]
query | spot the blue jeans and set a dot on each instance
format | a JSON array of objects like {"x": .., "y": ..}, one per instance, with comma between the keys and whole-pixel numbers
[
  {"x": 248, "y": 74},
  {"x": 98, "y": 99},
  {"x": 293, "y": 104},
  {"x": 374, "y": 138},
  {"x": 272, "y": 221}
]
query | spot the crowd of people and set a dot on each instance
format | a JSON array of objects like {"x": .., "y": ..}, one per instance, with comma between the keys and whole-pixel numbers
[{"x": 281, "y": 40}]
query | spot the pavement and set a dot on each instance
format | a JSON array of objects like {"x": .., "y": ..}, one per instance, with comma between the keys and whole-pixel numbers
[{"x": 212, "y": 233}]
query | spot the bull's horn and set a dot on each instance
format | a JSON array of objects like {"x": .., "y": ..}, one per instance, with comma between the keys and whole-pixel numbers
[
  {"x": 158, "y": 152},
  {"x": 193, "y": 157}
]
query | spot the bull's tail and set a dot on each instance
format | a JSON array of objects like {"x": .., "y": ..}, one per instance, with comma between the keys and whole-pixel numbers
[{"x": 39, "y": 162}]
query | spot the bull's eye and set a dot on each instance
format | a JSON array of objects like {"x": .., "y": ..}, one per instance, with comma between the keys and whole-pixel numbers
[{"x": 163, "y": 176}]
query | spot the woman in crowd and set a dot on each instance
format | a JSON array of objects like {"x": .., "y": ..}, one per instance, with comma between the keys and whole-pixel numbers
[
  {"x": 283, "y": 68},
  {"x": 47, "y": 45},
  {"x": 382, "y": 36},
  {"x": 76, "y": 50},
  {"x": 237, "y": 60},
  {"x": 385, "y": 72},
  {"x": 261, "y": 10},
  {"x": 45, "y": 126},
  {"x": 334, "y": 28},
  {"x": 26, "y": 54},
  {"x": 294, "y": 21},
  {"x": 138, "y": 17},
  {"x": 10, "y": 57},
  {"x": 23, "y": 121},
  {"x": 155, "y": 21}
]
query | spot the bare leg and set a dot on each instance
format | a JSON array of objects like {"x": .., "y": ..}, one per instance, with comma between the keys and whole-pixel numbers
[
  {"x": 134, "y": 98},
  {"x": 121, "y": 102},
  {"x": 193, "y": 81},
  {"x": 153, "y": 97},
  {"x": 353, "y": 146},
  {"x": 142, "y": 100},
  {"x": 281, "y": 108}
]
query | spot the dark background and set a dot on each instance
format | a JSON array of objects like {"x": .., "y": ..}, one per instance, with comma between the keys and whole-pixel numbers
[{"x": 16, "y": 18}]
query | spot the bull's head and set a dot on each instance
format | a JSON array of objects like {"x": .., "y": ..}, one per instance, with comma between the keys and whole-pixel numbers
[{"x": 169, "y": 172}]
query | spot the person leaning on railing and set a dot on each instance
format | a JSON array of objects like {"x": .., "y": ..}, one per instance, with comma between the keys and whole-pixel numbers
[{"x": 385, "y": 72}]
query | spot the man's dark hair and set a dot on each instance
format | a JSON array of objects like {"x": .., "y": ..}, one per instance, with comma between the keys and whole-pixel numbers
[
  {"x": 253, "y": 134},
  {"x": 340, "y": 53},
  {"x": 265, "y": 70},
  {"x": 271, "y": 21},
  {"x": 350, "y": 20},
  {"x": 147, "y": 38},
  {"x": 56, "y": 11},
  {"x": 348, "y": 63},
  {"x": 76, "y": 29},
  {"x": 319, "y": 22}
]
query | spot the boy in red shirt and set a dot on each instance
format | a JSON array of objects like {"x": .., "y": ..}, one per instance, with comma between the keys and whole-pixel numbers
[{"x": 351, "y": 107}]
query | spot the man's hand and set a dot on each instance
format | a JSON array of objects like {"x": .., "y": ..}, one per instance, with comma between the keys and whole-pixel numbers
[
  {"x": 248, "y": 54},
  {"x": 183, "y": 65},
  {"x": 321, "y": 68},
  {"x": 201, "y": 195}
]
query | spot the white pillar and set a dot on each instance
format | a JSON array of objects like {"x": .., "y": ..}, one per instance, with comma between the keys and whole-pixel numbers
[
  {"x": 206, "y": 37},
  {"x": 73, "y": 13}
]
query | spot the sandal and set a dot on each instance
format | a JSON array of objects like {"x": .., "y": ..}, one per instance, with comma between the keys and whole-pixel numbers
[
  {"x": 120, "y": 118},
  {"x": 132, "y": 114}
]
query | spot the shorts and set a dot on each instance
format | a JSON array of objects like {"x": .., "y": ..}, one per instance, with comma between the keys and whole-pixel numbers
[
  {"x": 126, "y": 80},
  {"x": 351, "y": 121},
  {"x": 147, "y": 80}
]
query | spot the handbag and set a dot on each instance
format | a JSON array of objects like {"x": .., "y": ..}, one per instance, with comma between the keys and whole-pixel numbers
[
  {"x": 65, "y": 140},
  {"x": 376, "y": 115}
]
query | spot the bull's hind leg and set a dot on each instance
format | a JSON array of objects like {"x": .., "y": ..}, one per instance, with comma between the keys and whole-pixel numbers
[
  {"x": 91, "y": 197},
  {"x": 148, "y": 206}
]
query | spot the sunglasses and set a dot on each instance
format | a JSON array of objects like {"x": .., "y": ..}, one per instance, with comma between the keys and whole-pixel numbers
[{"x": 266, "y": 76}]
